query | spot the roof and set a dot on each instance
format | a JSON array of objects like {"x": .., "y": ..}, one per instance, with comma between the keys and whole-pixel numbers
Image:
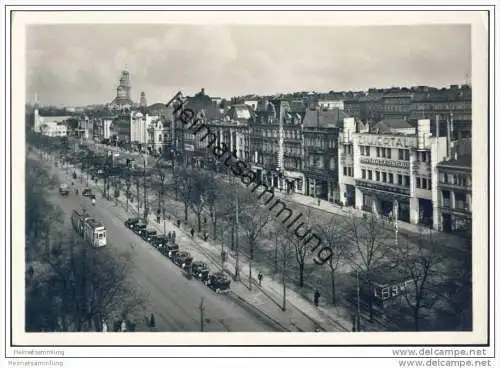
[
  {"x": 387, "y": 125},
  {"x": 464, "y": 161},
  {"x": 319, "y": 118},
  {"x": 239, "y": 112}
]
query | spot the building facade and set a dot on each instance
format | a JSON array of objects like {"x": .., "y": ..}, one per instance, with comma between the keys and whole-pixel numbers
[
  {"x": 384, "y": 168},
  {"x": 321, "y": 130},
  {"x": 455, "y": 191}
]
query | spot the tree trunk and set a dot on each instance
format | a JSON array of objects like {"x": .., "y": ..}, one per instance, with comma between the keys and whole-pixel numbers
[
  {"x": 370, "y": 300},
  {"x": 185, "y": 210},
  {"x": 214, "y": 223},
  {"x": 301, "y": 274},
  {"x": 198, "y": 215},
  {"x": 276, "y": 257},
  {"x": 416, "y": 317},
  {"x": 332, "y": 274}
]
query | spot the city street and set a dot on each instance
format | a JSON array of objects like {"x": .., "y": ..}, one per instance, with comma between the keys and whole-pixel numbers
[{"x": 173, "y": 299}]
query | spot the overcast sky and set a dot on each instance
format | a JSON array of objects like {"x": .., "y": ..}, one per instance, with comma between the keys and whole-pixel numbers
[{"x": 81, "y": 64}]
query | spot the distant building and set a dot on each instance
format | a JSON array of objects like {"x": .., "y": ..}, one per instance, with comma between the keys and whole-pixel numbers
[
  {"x": 122, "y": 100},
  {"x": 53, "y": 129},
  {"x": 331, "y": 104}
]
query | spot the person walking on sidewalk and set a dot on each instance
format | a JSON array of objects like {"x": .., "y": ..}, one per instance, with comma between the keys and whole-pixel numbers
[
  {"x": 260, "y": 277},
  {"x": 192, "y": 232},
  {"x": 178, "y": 223},
  {"x": 316, "y": 297}
]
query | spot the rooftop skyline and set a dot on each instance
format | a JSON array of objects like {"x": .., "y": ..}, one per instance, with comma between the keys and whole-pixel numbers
[{"x": 81, "y": 64}]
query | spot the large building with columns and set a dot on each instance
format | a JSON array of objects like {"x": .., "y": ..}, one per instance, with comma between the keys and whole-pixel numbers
[{"x": 375, "y": 170}]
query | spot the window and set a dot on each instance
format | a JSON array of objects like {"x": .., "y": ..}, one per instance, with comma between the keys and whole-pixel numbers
[
  {"x": 391, "y": 178},
  {"x": 401, "y": 154},
  {"x": 370, "y": 175},
  {"x": 407, "y": 181},
  {"x": 363, "y": 173},
  {"x": 345, "y": 170},
  {"x": 383, "y": 152},
  {"x": 424, "y": 183},
  {"x": 400, "y": 179},
  {"x": 377, "y": 175},
  {"x": 378, "y": 152},
  {"x": 418, "y": 182},
  {"x": 429, "y": 184},
  {"x": 388, "y": 153},
  {"x": 367, "y": 150}
]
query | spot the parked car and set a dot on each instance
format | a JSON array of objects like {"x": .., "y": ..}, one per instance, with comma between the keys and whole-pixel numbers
[
  {"x": 139, "y": 228},
  {"x": 135, "y": 223},
  {"x": 182, "y": 259},
  {"x": 131, "y": 222},
  {"x": 64, "y": 189},
  {"x": 148, "y": 234},
  {"x": 87, "y": 192},
  {"x": 200, "y": 270},
  {"x": 219, "y": 282},
  {"x": 160, "y": 241},
  {"x": 170, "y": 249}
]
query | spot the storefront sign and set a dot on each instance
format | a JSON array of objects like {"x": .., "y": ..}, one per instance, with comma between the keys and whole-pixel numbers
[
  {"x": 385, "y": 162},
  {"x": 381, "y": 187},
  {"x": 384, "y": 141}
]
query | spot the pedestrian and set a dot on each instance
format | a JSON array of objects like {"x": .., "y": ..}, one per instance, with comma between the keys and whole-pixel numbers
[
  {"x": 152, "y": 321},
  {"x": 316, "y": 297},
  {"x": 260, "y": 277},
  {"x": 205, "y": 236},
  {"x": 204, "y": 220},
  {"x": 319, "y": 202},
  {"x": 192, "y": 232},
  {"x": 169, "y": 236},
  {"x": 178, "y": 223}
]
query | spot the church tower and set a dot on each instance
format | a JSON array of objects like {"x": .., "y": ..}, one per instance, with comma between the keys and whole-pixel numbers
[{"x": 143, "y": 104}]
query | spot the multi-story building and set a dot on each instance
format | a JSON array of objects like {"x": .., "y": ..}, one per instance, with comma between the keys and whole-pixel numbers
[
  {"x": 276, "y": 143},
  {"x": 320, "y": 130},
  {"x": 455, "y": 191},
  {"x": 396, "y": 105},
  {"x": 331, "y": 104},
  {"x": 392, "y": 167}
]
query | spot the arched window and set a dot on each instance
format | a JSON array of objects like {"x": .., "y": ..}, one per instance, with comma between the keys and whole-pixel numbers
[{"x": 159, "y": 137}]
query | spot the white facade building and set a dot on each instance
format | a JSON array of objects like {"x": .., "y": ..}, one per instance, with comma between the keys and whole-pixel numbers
[
  {"x": 331, "y": 104},
  {"x": 53, "y": 129},
  {"x": 375, "y": 170}
]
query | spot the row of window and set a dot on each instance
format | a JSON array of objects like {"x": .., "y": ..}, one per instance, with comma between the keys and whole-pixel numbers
[
  {"x": 348, "y": 171},
  {"x": 455, "y": 179},
  {"x": 348, "y": 148},
  {"x": 320, "y": 142},
  {"x": 423, "y": 183},
  {"x": 461, "y": 202},
  {"x": 403, "y": 180}
]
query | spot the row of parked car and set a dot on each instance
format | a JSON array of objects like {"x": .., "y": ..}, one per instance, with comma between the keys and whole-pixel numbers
[{"x": 218, "y": 281}]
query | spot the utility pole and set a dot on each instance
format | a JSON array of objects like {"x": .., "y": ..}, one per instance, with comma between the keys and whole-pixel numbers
[
  {"x": 285, "y": 254},
  {"x": 202, "y": 321},
  {"x": 237, "y": 268},
  {"x": 145, "y": 194},
  {"x": 358, "y": 312}
]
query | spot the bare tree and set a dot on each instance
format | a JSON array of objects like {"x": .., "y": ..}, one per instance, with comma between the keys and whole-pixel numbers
[
  {"x": 84, "y": 287},
  {"x": 337, "y": 242},
  {"x": 254, "y": 219},
  {"x": 423, "y": 272},
  {"x": 370, "y": 247}
]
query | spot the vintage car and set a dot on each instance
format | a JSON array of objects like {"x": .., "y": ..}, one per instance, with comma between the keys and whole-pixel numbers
[
  {"x": 132, "y": 221},
  {"x": 64, "y": 189},
  {"x": 200, "y": 270},
  {"x": 219, "y": 282},
  {"x": 148, "y": 234},
  {"x": 87, "y": 192},
  {"x": 182, "y": 259}
]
